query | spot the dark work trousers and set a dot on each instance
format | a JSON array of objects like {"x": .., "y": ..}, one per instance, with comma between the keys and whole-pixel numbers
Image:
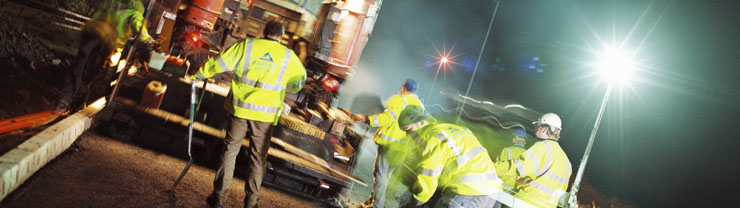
[
  {"x": 89, "y": 72},
  {"x": 453, "y": 200},
  {"x": 259, "y": 134}
]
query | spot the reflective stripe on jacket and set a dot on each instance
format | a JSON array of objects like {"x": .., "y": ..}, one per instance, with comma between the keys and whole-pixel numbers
[
  {"x": 508, "y": 154},
  {"x": 453, "y": 160},
  {"x": 547, "y": 169},
  {"x": 389, "y": 131},
  {"x": 258, "y": 89}
]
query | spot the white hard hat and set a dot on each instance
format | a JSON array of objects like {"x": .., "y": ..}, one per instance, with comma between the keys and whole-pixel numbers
[{"x": 550, "y": 119}]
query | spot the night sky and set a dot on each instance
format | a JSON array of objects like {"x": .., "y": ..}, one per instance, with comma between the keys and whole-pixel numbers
[{"x": 667, "y": 139}]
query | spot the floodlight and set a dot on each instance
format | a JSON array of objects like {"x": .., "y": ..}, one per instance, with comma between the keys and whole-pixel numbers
[{"x": 616, "y": 66}]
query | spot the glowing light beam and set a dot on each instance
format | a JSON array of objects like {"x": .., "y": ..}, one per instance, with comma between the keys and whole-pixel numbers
[{"x": 444, "y": 62}]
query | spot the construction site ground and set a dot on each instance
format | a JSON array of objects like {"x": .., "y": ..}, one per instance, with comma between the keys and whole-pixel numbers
[{"x": 98, "y": 171}]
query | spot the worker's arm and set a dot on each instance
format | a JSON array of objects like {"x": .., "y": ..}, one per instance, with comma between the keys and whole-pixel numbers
[
  {"x": 223, "y": 62},
  {"x": 529, "y": 164},
  {"x": 297, "y": 75},
  {"x": 430, "y": 168},
  {"x": 137, "y": 21},
  {"x": 390, "y": 114},
  {"x": 505, "y": 155}
]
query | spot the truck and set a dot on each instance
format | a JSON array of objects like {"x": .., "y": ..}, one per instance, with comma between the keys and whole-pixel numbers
[{"x": 313, "y": 147}]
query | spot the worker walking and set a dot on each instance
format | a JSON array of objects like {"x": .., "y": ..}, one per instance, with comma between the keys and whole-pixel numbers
[
  {"x": 544, "y": 167},
  {"x": 452, "y": 160},
  {"x": 265, "y": 70},
  {"x": 393, "y": 146},
  {"x": 106, "y": 31},
  {"x": 519, "y": 140}
]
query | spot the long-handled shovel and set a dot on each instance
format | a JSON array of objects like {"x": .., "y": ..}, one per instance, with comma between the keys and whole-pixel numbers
[{"x": 190, "y": 134}]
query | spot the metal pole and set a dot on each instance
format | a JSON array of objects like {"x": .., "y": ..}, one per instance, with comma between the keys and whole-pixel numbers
[
  {"x": 478, "y": 61},
  {"x": 572, "y": 201},
  {"x": 119, "y": 80}
]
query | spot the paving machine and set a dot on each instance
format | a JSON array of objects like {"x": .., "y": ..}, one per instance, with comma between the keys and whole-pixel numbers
[{"x": 312, "y": 149}]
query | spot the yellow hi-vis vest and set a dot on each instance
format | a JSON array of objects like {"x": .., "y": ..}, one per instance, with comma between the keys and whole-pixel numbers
[
  {"x": 258, "y": 89},
  {"x": 453, "y": 160},
  {"x": 509, "y": 153},
  {"x": 389, "y": 134},
  {"x": 129, "y": 22},
  {"x": 547, "y": 169}
]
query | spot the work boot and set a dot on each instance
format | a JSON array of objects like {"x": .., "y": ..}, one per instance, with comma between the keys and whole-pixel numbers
[
  {"x": 212, "y": 202},
  {"x": 62, "y": 110}
]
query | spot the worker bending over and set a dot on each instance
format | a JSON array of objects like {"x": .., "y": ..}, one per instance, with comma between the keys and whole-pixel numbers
[
  {"x": 107, "y": 30},
  {"x": 452, "y": 160}
]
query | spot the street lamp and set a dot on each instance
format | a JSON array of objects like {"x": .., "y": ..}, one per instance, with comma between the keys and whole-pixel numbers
[{"x": 617, "y": 68}]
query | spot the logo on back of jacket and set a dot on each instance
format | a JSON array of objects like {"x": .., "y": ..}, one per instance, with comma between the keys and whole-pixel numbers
[{"x": 265, "y": 63}]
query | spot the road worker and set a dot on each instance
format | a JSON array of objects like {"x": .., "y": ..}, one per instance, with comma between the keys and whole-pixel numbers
[
  {"x": 393, "y": 146},
  {"x": 452, "y": 160},
  {"x": 519, "y": 139},
  {"x": 265, "y": 70},
  {"x": 544, "y": 167},
  {"x": 106, "y": 31}
]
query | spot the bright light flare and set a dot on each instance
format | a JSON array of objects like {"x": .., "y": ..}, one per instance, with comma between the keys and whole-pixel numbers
[
  {"x": 115, "y": 57},
  {"x": 616, "y": 66},
  {"x": 444, "y": 63},
  {"x": 121, "y": 65},
  {"x": 445, "y": 59},
  {"x": 98, "y": 104},
  {"x": 132, "y": 71},
  {"x": 193, "y": 39}
]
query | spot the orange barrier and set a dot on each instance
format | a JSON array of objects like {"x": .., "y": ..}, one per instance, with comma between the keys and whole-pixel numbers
[{"x": 30, "y": 120}]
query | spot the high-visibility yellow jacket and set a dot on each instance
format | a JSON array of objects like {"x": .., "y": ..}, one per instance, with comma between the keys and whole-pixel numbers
[
  {"x": 454, "y": 160},
  {"x": 258, "y": 89},
  {"x": 117, "y": 26},
  {"x": 547, "y": 169},
  {"x": 389, "y": 134},
  {"x": 509, "y": 153},
  {"x": 129, "y": 22}
]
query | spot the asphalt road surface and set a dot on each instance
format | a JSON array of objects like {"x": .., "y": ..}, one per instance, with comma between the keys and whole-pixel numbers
[{"x": 102, "y": 172}]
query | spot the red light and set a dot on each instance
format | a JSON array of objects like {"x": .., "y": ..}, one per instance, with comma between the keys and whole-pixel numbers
[
  {"x": 444, "y": 60},
  {"x": 330, "y": 83},
  {"x": 192, "y": 38}
]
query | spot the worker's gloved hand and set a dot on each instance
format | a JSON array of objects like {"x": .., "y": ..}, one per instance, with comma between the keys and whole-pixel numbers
[
  {"x": 224, "y": 77},
  {"x": 409, "y": 178},
  {"x": 190, "y": 74},
  {"x": 523, "y": 182},
  {"x": 359, "y": 118},
  {"x": 151, "y": 44},
  {"x": 413, "y": 203}
]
